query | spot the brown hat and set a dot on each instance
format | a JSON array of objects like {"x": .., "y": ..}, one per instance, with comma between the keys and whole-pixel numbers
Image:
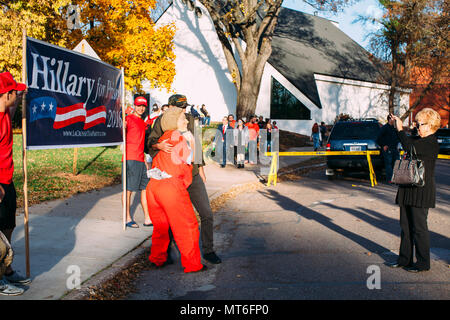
[{"x": 170, "y": 118}]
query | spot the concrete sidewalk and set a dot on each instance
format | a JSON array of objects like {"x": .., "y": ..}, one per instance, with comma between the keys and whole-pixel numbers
[{"x": 83, "y": 235}]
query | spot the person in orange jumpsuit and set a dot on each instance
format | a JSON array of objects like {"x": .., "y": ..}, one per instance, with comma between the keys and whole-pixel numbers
[{"x": 168, "y": 199}]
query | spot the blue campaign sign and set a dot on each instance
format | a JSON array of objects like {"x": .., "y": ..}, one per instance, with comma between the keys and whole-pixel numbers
[{"x": 73, "y": 100}]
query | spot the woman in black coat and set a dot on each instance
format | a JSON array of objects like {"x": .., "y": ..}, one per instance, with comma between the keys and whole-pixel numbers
[{"x": 415, "y": 201}]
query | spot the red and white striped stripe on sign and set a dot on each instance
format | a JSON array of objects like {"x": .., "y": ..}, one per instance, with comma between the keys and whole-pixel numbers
[
  {"x": 94, "y": 117},
  {"x": 66, "y": 116}
]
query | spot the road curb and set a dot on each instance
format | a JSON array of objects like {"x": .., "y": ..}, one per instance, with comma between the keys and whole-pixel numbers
[{"x": 107, "y": 273}]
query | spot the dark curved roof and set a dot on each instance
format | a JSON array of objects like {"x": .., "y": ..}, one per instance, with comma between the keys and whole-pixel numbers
[{"x": 305, "y": 44}]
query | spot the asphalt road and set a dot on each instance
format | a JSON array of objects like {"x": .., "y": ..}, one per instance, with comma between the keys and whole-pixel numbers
[{"x": 312, "y": 239}]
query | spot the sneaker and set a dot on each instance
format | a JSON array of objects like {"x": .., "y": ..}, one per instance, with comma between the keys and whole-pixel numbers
[
  {"x": 17, "y": 278},
  {"x": 212, "y": 258},
  {"x": 8, "y": 289}
]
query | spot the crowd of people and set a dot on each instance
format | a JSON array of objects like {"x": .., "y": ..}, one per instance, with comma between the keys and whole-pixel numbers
[
  {"x": 163, "y": 166},
  {"x": 239, "y": 142}
]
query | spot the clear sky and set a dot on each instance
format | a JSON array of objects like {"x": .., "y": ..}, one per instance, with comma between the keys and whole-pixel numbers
[{"x": 356, "y": 31}]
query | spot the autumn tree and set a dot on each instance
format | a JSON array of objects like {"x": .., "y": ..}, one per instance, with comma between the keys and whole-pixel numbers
[
  {"x": 414, "y": 41},
  {"x": 121, "y": 32},
  {"x": 246, "y": 27},
  {"x": 41, "y": 19},
  {"x": 124, "y": 34}
]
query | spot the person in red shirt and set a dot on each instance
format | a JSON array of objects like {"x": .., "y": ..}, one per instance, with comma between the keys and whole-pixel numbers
[
  {"x": 137, "y": 167},
  {"x": 253, "y": 132},
  {"x": 10, "y": 95},
  {"x": 231, "y": 121}
]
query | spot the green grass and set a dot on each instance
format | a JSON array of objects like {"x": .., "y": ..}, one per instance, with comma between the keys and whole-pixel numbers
[{"x": 50, "y": 172}]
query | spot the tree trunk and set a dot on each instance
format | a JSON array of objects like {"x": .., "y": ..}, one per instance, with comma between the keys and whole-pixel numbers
[
  {"x": 394, "y": 81},
  {"x": 246, "y": 100},
  {"x": 252, "y": 73}
]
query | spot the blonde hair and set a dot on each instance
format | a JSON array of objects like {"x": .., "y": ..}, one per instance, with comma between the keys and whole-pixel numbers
[{"x": 431, "y": 117}]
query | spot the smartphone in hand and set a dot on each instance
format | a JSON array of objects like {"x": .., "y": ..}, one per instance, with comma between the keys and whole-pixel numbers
[{"x": 391, "y": 116}]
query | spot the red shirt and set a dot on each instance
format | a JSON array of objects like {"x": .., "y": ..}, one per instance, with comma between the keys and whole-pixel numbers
[
  {"x": 253, "y": 130},
  {"x": 6, "y": 144},
  {"x": 135, "y": 137}
]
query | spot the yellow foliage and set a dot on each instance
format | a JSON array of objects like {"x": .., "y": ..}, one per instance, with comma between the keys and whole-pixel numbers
[
  {"x": 41, "y": 19},
  {"x": 121, "y": 32},
  {"x": 124, "y": 35}
]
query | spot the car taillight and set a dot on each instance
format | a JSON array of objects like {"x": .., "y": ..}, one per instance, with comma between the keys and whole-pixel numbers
[{"x": 328, "y": 146}]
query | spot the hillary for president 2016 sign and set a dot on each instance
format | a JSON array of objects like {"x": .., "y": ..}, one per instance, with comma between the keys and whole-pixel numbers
[{"x": 73, "y": 100}]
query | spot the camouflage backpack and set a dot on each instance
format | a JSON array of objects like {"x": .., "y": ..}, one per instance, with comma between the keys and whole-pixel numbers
[{"x": 6, "y": 254}]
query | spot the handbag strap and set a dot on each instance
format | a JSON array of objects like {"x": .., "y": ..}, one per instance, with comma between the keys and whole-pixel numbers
[{"x": 411, "y": 154}]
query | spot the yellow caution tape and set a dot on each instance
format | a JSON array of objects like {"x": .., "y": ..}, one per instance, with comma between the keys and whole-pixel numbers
[
  {"x": 272, "y": 178},
  {"x": 324, "y": 153}
]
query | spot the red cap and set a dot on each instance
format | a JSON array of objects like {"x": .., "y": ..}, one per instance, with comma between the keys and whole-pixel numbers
[
  {"x": 139, "y": 101},
  {"x": 7, "y": 83}
]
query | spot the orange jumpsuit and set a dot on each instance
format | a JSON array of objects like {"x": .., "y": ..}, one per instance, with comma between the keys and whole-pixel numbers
[{"x": 170, "y": 206}]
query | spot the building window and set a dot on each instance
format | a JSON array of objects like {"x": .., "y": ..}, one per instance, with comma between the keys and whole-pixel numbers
[
  {"x": 284, "y": 105},
  {"x": 161, "y": 7}
]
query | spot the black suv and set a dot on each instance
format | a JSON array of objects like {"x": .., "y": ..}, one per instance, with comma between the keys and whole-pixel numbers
[
  {"x": 443, "y": 138},
  {"x": 353, "y": 135}
]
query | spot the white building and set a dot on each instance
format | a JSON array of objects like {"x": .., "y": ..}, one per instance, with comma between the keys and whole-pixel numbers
[{"x": 315, "y": 71}]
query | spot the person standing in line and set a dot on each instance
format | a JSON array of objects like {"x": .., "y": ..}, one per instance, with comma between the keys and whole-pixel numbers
[
  {"x": 240, "y": 142},
  {"x": 197, "y": 189},
  {"x": 231, "y": 121},
  {"x": 136, "y": 163},
  {"x": 223, "y": 140},
  {"x": 10, "y": 95},
  {"x": 388, "y": 141},
  {"x": 261, "y": 122},
  {"x": 323, "y": 133},
  {"x": 253, "y": 133},
  {"x": 415, "y": 201},
  {"x": 169, "y": 202},
  {"x": 315, "y": 136},
  {"x": 269, "y": 136},
  {"x": 232, "y": 125}
]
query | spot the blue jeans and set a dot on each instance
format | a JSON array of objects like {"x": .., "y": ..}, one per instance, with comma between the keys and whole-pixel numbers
[{"x": 316, "y": 140}]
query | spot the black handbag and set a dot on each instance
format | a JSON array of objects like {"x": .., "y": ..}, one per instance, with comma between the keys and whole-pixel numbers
[{"x": 409, "y": 171}]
